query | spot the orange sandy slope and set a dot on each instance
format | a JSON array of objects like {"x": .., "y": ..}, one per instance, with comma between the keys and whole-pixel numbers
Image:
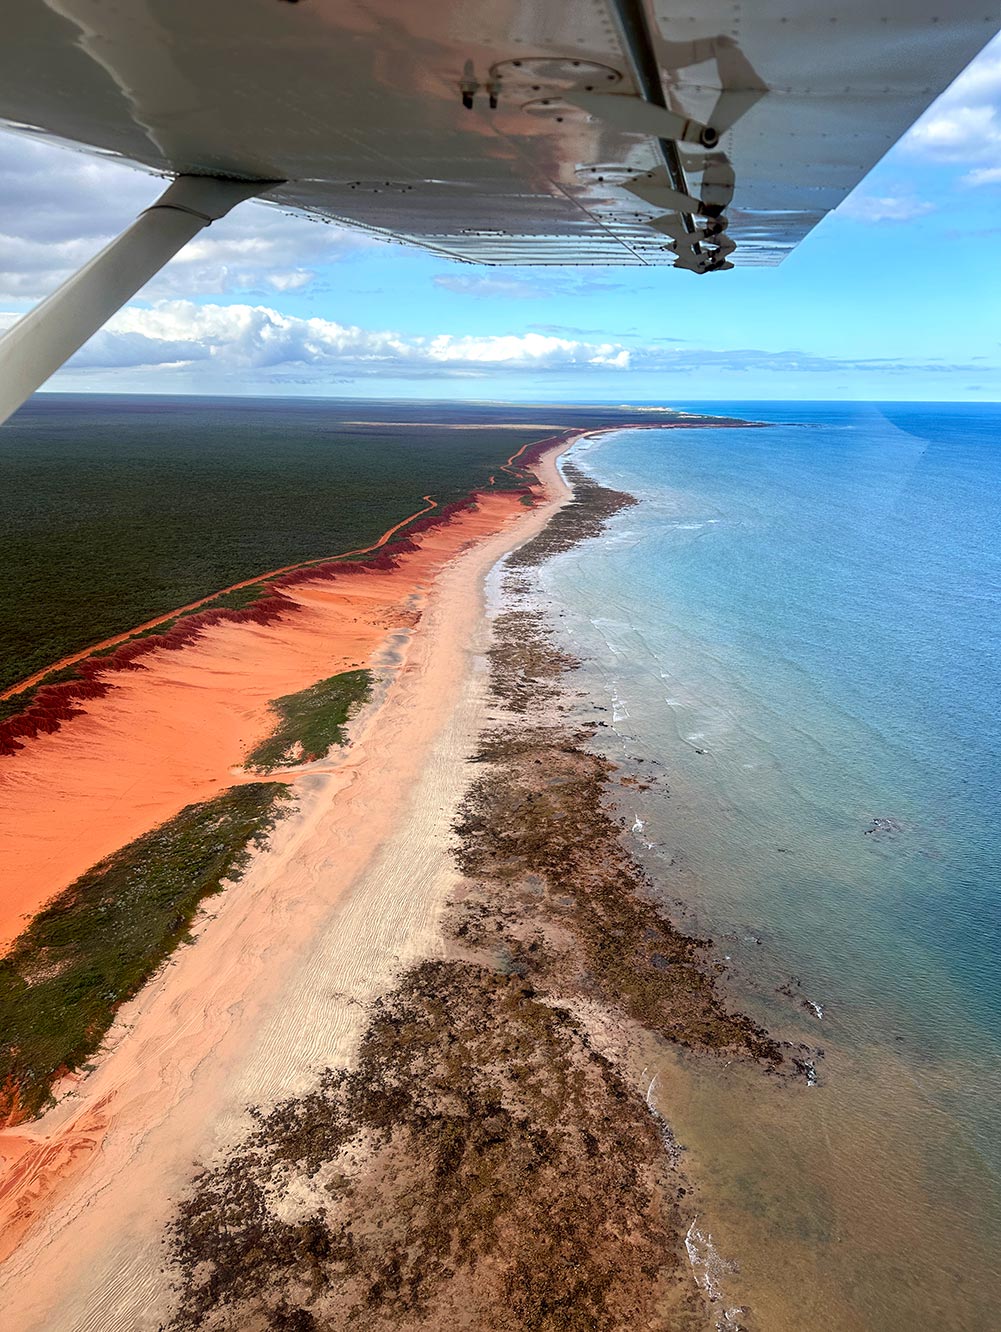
[
  {"x": 172, "y": 731},
  {"x": 77, "y": 657}
]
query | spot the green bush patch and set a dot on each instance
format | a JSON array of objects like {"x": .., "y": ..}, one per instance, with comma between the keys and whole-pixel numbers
[
  {"x": 98, "y": 942},
  {"x": 312, "y": 721}
]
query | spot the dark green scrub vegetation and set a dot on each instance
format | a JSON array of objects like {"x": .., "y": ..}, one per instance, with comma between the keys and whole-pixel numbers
[
  {"x": 116, "y": 510},
  {"x": 312, "y": 721},
  {"x": 96, "y": 944}
]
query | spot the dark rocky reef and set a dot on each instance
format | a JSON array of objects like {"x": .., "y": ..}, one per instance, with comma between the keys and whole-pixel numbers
[
  {"x": 490, "y": 1163},
  {"x": 482, "y": 1166}
]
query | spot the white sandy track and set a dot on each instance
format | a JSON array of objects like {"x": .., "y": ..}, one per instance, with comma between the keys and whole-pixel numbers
[{"x": 347, "y": 893}]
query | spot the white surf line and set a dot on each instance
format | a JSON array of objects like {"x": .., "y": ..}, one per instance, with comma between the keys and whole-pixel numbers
[{"x": 707, "y": 1264}]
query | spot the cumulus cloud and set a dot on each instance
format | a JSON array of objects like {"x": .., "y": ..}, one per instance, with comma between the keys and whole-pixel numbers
[
  {"x": 884, "y": 208},
  {"x": 260, "y": 338},
  {"x": 964, "y": 125},
  {"x": 59, "y": 207},
  {"x": 122, "y": 349},
  {"x": 233, "y": 343}
]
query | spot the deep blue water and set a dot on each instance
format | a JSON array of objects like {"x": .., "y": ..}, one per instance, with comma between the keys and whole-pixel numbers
[{"x": 802, "y": 624}]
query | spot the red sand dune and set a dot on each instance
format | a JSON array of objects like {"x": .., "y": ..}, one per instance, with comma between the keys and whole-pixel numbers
[
  {"x": 77, "y": 657},
  {"x": 142, "y": 742},
  {"x": 52, "y": 705}
]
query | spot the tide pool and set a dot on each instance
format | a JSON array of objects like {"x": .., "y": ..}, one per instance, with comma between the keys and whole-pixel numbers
[{"x": 798, "y": 631}]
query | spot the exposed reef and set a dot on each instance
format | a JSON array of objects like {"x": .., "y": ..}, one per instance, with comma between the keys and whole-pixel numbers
[
  {"x": 490, "y": 1162},
  {"x": 482, "y": 1166}
]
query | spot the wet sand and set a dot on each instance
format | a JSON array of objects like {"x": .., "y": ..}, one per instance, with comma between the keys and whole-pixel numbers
[{"x": 347, "y": 893}]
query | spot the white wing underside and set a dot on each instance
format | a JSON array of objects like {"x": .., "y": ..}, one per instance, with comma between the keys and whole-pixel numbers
[{"x": 358, "y": 108}]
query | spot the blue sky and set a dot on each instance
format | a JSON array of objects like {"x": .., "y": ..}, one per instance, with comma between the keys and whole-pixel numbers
[{"x": 895, "y": 295}]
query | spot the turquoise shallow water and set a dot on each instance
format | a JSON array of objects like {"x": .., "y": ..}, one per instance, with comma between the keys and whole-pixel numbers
[{"x": 802, "y": 625}]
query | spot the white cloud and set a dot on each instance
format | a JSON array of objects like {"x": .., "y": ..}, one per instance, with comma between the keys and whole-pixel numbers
[
  {"x": 218, "y": 345},
  {"x": 256, "y": 248},
  {"x": 964, "y": 125},
  {"x": 292, "y": 280},
  {"x": 257, "y": 337},
  {"x": 58, "y": 207},
  {"x": 983, "y": 176},
  {"x": 885, "y": 208}
]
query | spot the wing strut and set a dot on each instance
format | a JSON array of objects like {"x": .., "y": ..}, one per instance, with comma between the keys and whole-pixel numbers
[{"x": 48, "y": 336}]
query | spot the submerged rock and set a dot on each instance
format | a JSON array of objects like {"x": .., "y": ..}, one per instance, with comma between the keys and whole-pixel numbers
[{"x": 882, "y": 826}]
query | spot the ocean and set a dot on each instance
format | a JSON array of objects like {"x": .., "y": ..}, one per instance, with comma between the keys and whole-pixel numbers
[{"x": 796, "y": 636}]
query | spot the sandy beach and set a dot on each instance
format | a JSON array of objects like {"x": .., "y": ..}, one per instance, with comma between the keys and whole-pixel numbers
[{"x": 345, "y": 894}]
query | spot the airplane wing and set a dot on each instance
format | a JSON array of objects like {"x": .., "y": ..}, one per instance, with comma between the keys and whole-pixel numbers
[
  {"x": 500, "y": 131},
  {"x": 695, "y": 133}
]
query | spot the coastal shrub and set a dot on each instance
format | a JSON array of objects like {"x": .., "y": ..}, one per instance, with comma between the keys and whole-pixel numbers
[
  {"x": 312, "y": 721},
  {"x": 118, "y": 510},
  {"x": 97, "y": 943}
]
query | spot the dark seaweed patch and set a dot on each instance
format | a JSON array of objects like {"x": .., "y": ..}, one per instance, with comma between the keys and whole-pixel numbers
[{"x": 481, "y": 1167}]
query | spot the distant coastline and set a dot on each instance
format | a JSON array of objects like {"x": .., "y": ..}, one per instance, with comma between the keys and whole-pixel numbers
[
  {"x": 118, "y": 509},
  {"x": 39, "y": 703}
]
